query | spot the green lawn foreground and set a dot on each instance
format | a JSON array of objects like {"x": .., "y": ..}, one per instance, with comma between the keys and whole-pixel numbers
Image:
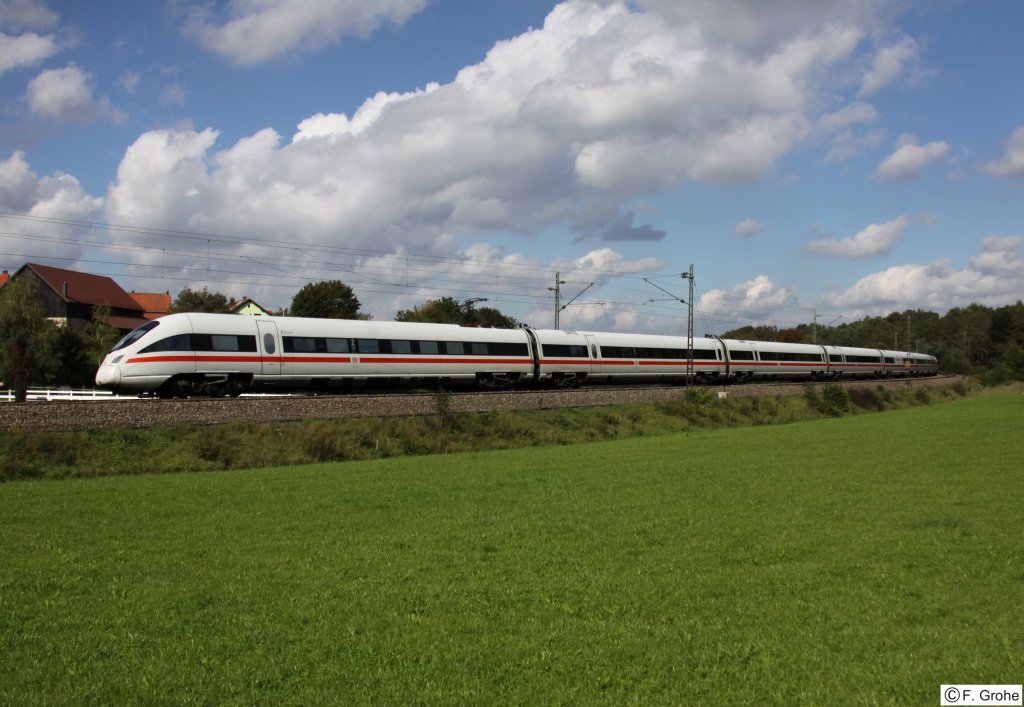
[{"x": 864, "y": 559}]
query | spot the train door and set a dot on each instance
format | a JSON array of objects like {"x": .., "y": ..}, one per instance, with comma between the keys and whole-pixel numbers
[
  {"x": 270, "y": 347},
  {"x": 594, "y": 353}
]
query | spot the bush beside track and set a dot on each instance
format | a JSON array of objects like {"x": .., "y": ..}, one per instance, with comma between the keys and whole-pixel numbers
[{"x": 443, "y": 423}]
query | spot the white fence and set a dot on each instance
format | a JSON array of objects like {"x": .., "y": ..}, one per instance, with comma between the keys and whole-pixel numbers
[
  {"x": 7, "y": 396},
  {"x": 47, "y": 394}
]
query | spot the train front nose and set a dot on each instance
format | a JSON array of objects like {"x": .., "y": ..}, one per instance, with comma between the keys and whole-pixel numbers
[{"x": 108, "y": 376}]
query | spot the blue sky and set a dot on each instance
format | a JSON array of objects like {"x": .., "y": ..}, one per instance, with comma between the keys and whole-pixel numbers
[{"x": 806, "y": 156}]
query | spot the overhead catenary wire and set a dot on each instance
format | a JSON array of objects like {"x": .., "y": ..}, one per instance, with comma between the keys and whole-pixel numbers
[{"x": 293, "y": 265}]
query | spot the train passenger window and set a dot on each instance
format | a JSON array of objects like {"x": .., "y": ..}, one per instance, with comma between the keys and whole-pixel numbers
[
  {"x": 299, "y": 344},
  {"x": 224, "y": 343},
  {"x": 428, "y": 347},
  {"x": 453, "y": 347},
  {"x": 569, "y": 350},
  {"x": 835, "y": 358},
  {"x": 337, "y": 345},
  {"x": 478, "y": 349},
  {"x": 616, "y": 352},
  {"x": 268, "y": 343},
  {"x": 399, "y": 346},
  {"x": 179, "y": 342},
  {"x": 741, "y": 355},
  {"x": 368, "y": 345},
  {"x": 497, "y": 348},
  {"x": 231, "y": 342},
  {"x": 704, "y": 354}
]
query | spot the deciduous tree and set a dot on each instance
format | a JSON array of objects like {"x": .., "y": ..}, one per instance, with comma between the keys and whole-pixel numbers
[
  {"x": 448, "y": 310},
  {"x": 22, "y": 322},
  {"x": 330, "y": 299},
  {"x": 189, "y": 300}
]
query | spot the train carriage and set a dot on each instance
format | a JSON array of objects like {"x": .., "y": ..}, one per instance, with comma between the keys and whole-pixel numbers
[
  {"x": 334, "y": 350},
  {"x": 784, "y": 360},
  {"x": 895, "y": 363},
  {"x": 741, "y": 359},
  {"x": 564, "y": 357},
  {"x": 651, "y": 357},
  {"x": 855, "y": 362}
]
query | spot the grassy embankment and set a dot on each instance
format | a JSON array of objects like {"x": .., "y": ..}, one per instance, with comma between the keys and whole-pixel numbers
[
  {"x": 866, "y": 559},
  {"x": 247, "y": 445}
]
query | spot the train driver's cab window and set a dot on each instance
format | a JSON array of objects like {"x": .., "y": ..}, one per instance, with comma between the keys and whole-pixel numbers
[{"x": 134, "y": 336}]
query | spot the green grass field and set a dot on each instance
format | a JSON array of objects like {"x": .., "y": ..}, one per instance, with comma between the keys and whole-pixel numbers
[{"x": 864, "y": 559}]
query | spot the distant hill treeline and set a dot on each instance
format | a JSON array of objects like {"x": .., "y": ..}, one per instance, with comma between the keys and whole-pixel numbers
[{"x": 975, "y": 339}]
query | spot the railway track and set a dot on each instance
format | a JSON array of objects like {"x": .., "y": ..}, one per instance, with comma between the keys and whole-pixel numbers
[{"x": 142, "y": 413}]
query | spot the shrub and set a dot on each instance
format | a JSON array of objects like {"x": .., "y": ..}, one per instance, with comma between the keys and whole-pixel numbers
[
  {"x": 835, "y": 399},
  {"x": 323, "y": 443},
  {"x": 866, "y": 398}
]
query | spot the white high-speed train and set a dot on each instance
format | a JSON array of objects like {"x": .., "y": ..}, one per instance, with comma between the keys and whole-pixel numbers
[{"x": 226, "y": 354}]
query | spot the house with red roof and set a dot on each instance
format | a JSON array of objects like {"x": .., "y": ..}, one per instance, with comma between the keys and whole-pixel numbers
[
  {"x": 69, "y": 297},
  {"x": 154, "y": 304}
]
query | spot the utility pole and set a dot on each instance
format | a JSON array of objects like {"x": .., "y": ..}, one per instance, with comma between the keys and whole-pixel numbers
[
  {"x": 689, "y": 320},
  {"x": 689, "y": 328},
  {"x": 557, "y": 289},
  {"x": 814, "y": 328}
]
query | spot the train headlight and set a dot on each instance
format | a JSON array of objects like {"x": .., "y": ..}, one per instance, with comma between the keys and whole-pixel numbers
[{"x": 117, "y": 359}]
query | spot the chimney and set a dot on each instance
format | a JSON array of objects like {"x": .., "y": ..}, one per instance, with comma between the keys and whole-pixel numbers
[{"x": 65, "y": 289}]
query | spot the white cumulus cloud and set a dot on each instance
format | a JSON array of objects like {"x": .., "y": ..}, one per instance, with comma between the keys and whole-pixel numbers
[
  {"x": 556, "y": 130},
  {"x": 25, "y": 50},
  {"x": 258, "y": 31},
  {"x": 993, "y": 277},
  {"x": 748, "y": 228},
  {"x": 59, "y": 196},
  {"x": 891, "y": 62},
  {"x": 910, "y": 158},
  {"x": 1010, "y": 164},
  {"x": 876, "y": 239},
  {"x": 20, "y": 15},
  {"x": 66, "y": 95},
  {"x": 559, "y": 125},
  {"x": 759, "y": 299}
]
